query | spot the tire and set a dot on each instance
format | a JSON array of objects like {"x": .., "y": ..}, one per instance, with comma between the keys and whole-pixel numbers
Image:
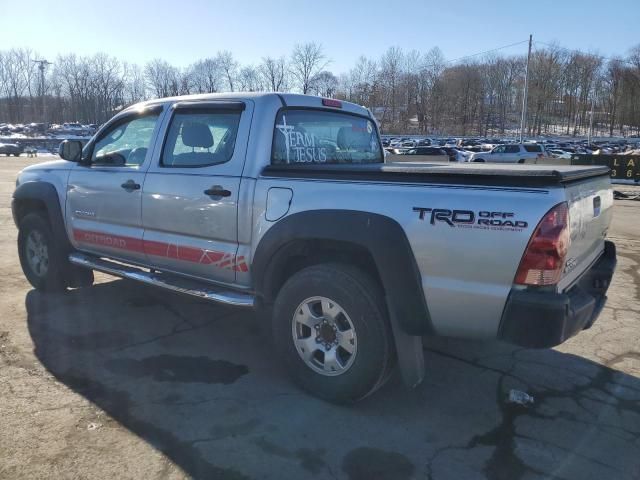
[
  {"x": 16, "y": 154},
  {"x": 35, "y": 237},
  {"x": 521, "y": 160},
  {"x": 360, "y": 321},
  {"x": 479, "y": 160}
]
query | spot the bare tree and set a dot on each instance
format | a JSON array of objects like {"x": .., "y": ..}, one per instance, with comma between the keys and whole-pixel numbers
[
  {"x": 325, "y": 84},
  {"x": 135, "y": 88},
  {"x": 391, "y": 70},
  {"x": 307, "y": 60},
  {"x": 108, "y": 85},
  {"x": 249, "y": 79},
  {"x": 163, "y": 78},
  {"x": 360, "y": 81},
  {"x": 274, "y": 73},
  {"x": 206, "y": 76},
  {"x": 229, "y": 66}
]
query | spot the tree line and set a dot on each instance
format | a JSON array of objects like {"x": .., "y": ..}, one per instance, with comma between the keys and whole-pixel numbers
[{"x": 408, "y": 91}]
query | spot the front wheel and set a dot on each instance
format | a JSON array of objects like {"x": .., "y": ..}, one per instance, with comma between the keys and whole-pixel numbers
[
  {"x": 41, "y": 262},
  {"x": 331, "y": 330}
]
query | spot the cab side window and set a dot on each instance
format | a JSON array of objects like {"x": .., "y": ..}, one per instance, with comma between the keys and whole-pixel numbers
[
  {"x": 200, "y": 138},
  {"x": 126, "y": 144}
]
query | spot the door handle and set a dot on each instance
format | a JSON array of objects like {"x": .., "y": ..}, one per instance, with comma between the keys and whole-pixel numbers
[
  {"x": 130, "y": 185},
  {"x": 217, "y": 191}
]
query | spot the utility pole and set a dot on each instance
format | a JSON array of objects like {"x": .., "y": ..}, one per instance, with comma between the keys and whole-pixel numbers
[
  {"x": 590, "y": 134},
  {"x": 42, "y": 65},
  {"x": 523, "y": 119}
]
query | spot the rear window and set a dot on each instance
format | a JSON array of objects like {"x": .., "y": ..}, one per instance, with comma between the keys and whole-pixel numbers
[
  {"x": 533, "y": 148},
  {"x": 318, "y": 136}
]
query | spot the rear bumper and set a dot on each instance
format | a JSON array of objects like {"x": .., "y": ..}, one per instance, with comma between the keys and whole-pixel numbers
[{"x": 545, "y": 319}]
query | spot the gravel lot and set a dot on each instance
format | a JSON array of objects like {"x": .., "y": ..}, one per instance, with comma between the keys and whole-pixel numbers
[{"x": 121, "y": 381}]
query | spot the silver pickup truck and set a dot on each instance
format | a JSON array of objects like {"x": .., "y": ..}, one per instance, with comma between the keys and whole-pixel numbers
[{"x": 283, "y": 203}]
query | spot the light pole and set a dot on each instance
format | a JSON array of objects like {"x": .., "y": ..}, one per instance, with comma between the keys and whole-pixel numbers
[
  {"x": 523, "y": 119},
  {"x": 42, "y": 65}
]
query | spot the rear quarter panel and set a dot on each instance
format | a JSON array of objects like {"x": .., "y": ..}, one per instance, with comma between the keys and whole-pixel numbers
[{"x": 467, "y": 271}]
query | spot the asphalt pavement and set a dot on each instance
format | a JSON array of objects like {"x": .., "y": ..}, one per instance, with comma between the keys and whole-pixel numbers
[{"x": 123, "y": 381}]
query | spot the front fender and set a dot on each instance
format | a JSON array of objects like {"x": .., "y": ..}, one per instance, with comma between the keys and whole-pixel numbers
[{"x": 46, "y": 193}]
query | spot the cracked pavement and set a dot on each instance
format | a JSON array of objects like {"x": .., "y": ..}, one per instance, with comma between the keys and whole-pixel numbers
[{"x": 122, "y": 381}]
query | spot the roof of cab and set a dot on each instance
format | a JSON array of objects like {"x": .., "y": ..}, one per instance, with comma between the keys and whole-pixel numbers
[{"x": 289, "y": 99}]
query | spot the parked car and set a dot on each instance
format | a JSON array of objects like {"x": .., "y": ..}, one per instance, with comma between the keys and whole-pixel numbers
[
  {"x": 510, "y": 153},
  {"x": 421, "y": 154},
  {"x": 11, "y": 149},
  {"x": 455, "y": 154},
  {"x": 283, "y": 203},
  {"x": 555, "y": 153}
]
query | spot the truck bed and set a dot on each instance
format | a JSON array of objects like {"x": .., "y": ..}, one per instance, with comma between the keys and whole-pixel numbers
[{"x": 457, "y": 173}]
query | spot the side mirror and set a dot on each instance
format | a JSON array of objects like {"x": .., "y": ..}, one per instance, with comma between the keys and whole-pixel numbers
[{"x": 70, "y": 150}]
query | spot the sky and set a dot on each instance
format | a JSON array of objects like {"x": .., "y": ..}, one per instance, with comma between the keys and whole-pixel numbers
[{"x": 182, "y": 31}]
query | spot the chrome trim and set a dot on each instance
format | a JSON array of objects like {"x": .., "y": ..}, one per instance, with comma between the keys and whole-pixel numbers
[{"x": 163, "y": 280}]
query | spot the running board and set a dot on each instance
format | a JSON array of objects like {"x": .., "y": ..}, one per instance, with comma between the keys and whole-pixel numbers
[{"x": 167, "y": 281}]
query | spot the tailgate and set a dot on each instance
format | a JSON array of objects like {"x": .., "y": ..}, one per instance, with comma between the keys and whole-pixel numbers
[{"x": 590, "y": 211}]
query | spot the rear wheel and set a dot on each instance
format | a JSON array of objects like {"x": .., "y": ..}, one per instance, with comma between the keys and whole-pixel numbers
[
  {"x": 479, "y": 160},
  {"x": 331, "y": 330},
  {"x": 521, "y": 160}
]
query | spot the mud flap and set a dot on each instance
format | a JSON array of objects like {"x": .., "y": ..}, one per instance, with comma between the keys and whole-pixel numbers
[{"x": 410, "y": 352}]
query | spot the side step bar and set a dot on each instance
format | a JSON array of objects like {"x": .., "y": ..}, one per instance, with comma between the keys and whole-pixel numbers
[{"x": 167, "y": 281}]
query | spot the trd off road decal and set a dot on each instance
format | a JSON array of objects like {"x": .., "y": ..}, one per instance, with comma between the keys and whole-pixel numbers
[{"x": 481, "y": 220}]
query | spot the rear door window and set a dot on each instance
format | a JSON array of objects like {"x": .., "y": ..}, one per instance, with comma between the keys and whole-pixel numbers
[
  {"x": 533, "y": 148},
  {"x": 200, "y": 138},
  {"x": 318, "y": 136}
]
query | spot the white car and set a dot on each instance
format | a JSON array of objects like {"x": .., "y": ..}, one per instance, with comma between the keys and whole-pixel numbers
[
  {"x": 556, "y": 153},
  {"x": 510, "y": 153}
]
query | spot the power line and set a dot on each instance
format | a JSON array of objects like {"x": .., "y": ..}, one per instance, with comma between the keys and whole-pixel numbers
[{"x": 487, "y": 51}]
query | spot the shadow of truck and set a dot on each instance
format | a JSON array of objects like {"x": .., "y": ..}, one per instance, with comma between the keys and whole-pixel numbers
[{"x": 200, "y": 383}]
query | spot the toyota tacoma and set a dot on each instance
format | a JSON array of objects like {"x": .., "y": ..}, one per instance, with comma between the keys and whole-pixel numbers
[{"x": 283, "y": 203}]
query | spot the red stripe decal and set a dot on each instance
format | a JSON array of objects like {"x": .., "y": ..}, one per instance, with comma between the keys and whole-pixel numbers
[
  {"x": 106, "y": 240},
  {"x": 162, "y": 249}
]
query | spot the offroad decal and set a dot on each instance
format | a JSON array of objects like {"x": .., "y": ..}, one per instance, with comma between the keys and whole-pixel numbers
[
  {"x": 161, "y": 249},
  {"x": 482, "y": 220}
]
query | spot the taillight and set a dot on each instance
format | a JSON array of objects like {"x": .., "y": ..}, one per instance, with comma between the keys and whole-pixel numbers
[
  {"x": 330, "y": 102},
  {"x": 543, "y": 260}
]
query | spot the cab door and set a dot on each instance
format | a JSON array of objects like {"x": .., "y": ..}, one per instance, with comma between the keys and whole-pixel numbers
[
  {"x": 190, "y": 196},
  {"x": 104, "y": 190},
  {"x": 512, "y": 154},
  {"x": 497, "y": 154}
]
